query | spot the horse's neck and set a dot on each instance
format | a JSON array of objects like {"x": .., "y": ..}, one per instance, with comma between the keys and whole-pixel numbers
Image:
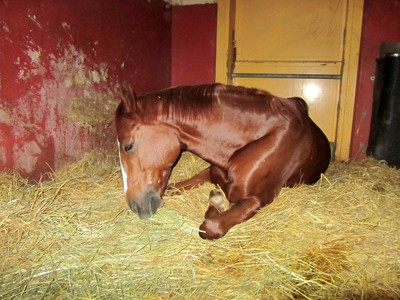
[{"x": 216, "y": 137}]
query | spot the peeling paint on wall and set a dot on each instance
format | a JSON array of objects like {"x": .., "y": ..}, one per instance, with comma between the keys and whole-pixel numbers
[
  {"x": 70, "y": 100},
  {"x": 93, "y": 112},
  {"x": 93, "y": 102},
  {"x": 59, "y": 67}
]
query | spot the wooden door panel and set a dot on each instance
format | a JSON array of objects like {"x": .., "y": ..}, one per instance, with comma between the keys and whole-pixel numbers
[
  {"x": 300, "y": 41},
  {"x": 290, "y": 30},
  {"x": 286, "y": 46},
  {"x": 283, "y": 67}
]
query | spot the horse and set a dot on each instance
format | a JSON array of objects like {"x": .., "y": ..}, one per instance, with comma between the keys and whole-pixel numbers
[{"x": 256, "y": 143}]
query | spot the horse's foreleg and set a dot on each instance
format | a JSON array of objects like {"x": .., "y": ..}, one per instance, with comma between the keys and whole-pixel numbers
[
  {"x": 217, "y": 204},
  {"x": 196, "y": 180},
  {"x": 218, "y": 224}
]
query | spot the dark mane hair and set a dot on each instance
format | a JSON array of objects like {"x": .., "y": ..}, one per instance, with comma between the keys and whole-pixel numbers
[
  {"x": 189, "y": 102},
  {"x": 181, "y": 102}
]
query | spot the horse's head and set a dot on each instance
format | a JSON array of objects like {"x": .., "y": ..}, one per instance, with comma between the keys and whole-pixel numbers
[{"x": 147, "y": 153}]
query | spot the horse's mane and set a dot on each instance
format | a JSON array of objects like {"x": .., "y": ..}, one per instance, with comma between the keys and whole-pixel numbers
[
  {"x": 181, "y": 102},
  {"x": 189, "y": 102}
]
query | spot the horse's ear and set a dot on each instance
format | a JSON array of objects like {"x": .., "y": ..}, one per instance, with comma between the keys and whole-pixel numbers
[{"x": 128, "y": 98}]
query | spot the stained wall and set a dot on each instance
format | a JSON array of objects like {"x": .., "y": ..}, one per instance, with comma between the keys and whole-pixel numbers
[{"x": 60, "y": 62}]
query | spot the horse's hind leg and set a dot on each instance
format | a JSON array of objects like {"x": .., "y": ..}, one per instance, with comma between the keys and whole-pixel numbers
[
  {"x": 196, "y": 180},
  {"x": 217, "y": 204}
]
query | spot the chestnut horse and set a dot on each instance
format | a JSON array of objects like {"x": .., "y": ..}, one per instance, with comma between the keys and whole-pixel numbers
[{"x": 256, "y": 144}]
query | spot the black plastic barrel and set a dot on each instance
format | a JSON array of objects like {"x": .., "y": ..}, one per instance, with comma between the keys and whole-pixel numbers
[{"x": 384, "y": 139}]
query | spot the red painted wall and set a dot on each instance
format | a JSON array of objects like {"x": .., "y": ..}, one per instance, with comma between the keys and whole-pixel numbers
[
  {"x": 60, "y": 62},
  {"x": 381, "y": 24},
  {"x": 194, "y": 34}
]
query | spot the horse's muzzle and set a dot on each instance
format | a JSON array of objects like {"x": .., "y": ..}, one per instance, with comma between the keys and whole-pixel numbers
[{"x": 147, "y": 206}]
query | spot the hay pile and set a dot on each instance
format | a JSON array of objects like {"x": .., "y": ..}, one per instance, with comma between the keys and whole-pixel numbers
[{"x": 74, "y": 238}]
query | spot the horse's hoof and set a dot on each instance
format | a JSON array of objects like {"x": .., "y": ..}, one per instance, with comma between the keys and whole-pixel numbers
[
  {"x": 210, "y": 230},
  {"x": 218, "y": 200}
]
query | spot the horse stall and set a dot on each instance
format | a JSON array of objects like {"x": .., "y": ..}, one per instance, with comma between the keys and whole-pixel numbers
[{"x": 66, "y": 230}]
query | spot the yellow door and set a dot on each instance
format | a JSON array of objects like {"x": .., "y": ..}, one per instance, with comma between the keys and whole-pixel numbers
[{"x": 295, "y": 48}]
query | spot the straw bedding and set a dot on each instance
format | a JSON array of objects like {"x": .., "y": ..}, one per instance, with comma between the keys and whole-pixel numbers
[{"x": 73, "y": 238}]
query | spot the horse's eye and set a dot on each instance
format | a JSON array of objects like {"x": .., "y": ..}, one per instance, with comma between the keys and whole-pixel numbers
[{"x": 128, "y": 148}]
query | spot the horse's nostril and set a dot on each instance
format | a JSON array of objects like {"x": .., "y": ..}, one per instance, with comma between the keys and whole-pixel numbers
[
  {"x": 147, "y": 206},
  {"x": 134, "y": 207},
  {"x": 154, "y": 203}
]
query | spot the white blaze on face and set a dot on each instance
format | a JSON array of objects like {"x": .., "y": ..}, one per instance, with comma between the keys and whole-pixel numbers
[{"x": 124, "y": 176}]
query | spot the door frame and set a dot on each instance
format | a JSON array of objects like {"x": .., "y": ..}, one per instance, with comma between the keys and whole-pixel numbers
[{"x": 352, "y": 37}]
